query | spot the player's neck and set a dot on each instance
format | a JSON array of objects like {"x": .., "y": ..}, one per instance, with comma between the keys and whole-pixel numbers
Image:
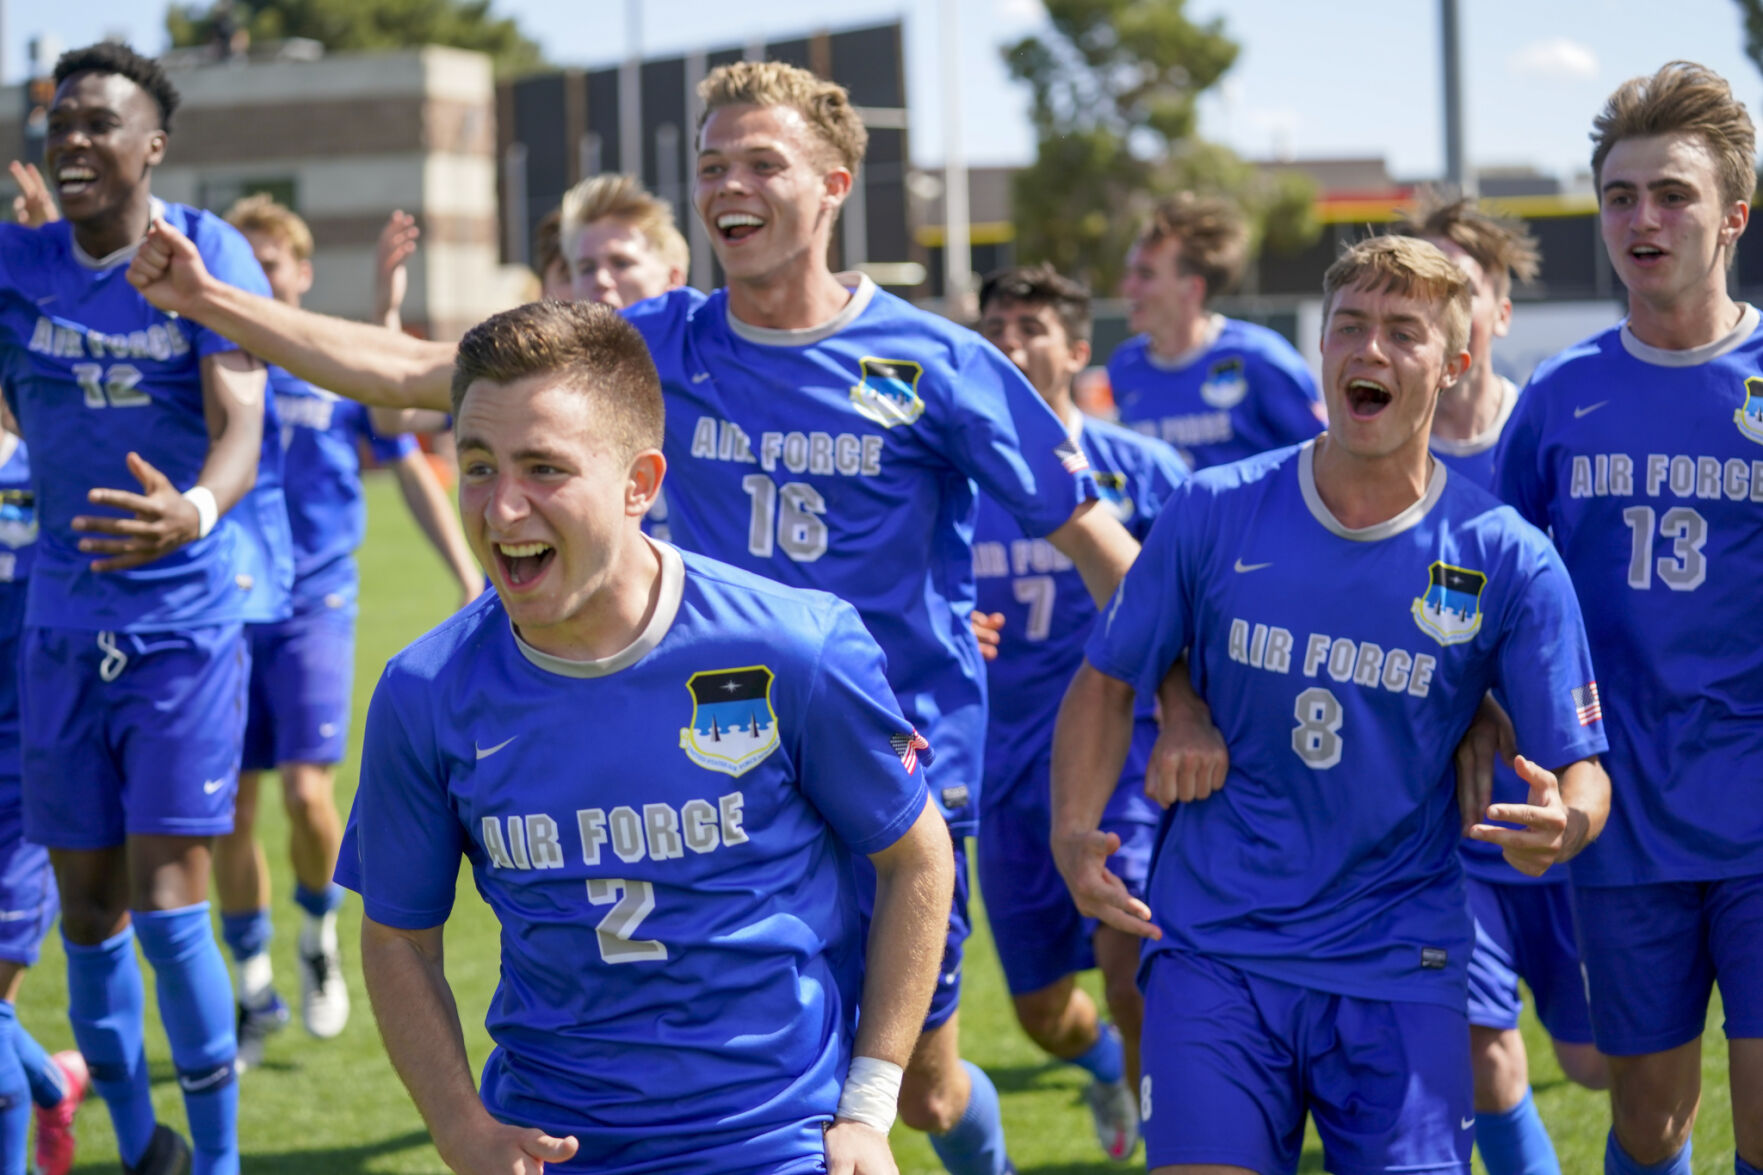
[
  {"x": 1694, "y": 320},
  {"x": 1364, "y": 491},
  {"x": 1176, "y": 339},
  {"x": 796, "y": 298},
  {"x": 617, "y": 613},
  {"x": 1468, "y": 408},
  {"x": 117, "y": 229}
]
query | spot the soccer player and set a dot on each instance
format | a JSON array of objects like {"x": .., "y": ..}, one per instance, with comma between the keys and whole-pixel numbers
[
  {"x": 1642, "y": 449},
  {"x": 621, "y": 242},
  {"x": 1523, "y": 925},
  {"x": 28, "y": 903},
  {"x": 302, "y": 667},
  {"x": 1215, "y": 388},
  {"x": 820, "y": 431},
  {"x": 548, "y": 259},
  {"x": 1310, "y": 937},
  {"x": 133, "y": 661},
  {"x": 1041, "y": 321},
  {"x": 659, "y": 767}
]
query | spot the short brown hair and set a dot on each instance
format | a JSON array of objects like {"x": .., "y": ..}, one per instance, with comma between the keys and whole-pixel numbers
[
  {"x": 825, "y": 105},
  {"x": 548, "y": 242},
  {"x": 1502, "y": 247},
  {"x": 1041, "y": 285},
  {"x": 589, "y": 345},
  {"x": 1412, "y": 268},
  {"x": 1682, "y": 98},
  {"x": 1212, "y": 242},
  {"x": 614, "y": 196},
  {"x": 261, "y": 214}
]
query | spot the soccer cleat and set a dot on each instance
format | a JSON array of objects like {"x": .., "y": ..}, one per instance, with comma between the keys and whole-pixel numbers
[
  {"x": 256, "y": 1026},
  {"x": 324, "y": 997},
  {"x": 55, "y": 1124},
  {"x": 167, "y": 1154},
  {"x": 1116, "y": 1114}
]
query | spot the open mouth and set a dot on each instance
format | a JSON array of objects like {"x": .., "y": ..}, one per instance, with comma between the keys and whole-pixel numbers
[
  {"x": 738, "y": 226},
  {"x": 1366, "y": 398},
  {"x": 74, "y": 179},
  {"x": 524, "y": 563},
  {"x": 1646, "y": 254}
]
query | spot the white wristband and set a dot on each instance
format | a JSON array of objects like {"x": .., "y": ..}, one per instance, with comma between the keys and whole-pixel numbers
[
  {"x": 207, "y": 509},
  {"x": 872, "y": 1093}
]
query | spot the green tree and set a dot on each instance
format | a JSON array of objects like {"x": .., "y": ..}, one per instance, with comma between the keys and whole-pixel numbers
[
  {"x": 364, "y": 24},
  {"x": 1115, "y": 86}
]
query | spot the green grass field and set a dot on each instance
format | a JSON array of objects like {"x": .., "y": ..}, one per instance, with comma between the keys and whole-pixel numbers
[{"x": 336, "y": 1107}]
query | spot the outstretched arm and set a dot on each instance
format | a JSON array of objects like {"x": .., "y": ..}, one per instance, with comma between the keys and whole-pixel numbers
[
  {"x": 428, "y": 504},
  {"x": 1100, "y": 546},
  {"x": 366, "y": 363},
  {"x": 419, "y": 1023}
]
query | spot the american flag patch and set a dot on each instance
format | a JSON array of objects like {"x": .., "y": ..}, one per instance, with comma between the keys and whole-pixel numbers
[
  {"x": 907, "y": 747},
  {"x": 1071, "y": 457},
  {"x": 1586, "y": 705}
]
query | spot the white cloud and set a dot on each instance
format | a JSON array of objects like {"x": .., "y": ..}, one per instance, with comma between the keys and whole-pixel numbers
[
  {"x": 1555, "y": 59},
  {"x": 1019, "y": 11}
]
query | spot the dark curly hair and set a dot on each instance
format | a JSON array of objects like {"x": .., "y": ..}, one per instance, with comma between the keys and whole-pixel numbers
[{"x": 116, "y": 57}]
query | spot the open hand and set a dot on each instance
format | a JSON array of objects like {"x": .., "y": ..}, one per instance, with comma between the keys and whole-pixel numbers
[
  {"x": 391, "y": 280},
  {"x": 163, "y": 521},
  {"x": 1082, "y": 859},
  {"x": 33, "y": 207},
  {"x": 1490, "y": 736},
  {"x": 496, "y": 1148},
  {"x": 1541, "y": 837},
  {"x": 986, "y": 628}
]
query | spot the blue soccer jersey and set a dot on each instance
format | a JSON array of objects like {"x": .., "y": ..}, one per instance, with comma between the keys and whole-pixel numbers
[
  {"x": 1244, "y": 392},
  {"x": 320, "y": 448},
  {"x": 1647, "y": 466},
  {"x": 1048, "y": 613},
  {"x": 266, "y": 551},
  {"x": 93, "y": 371},
  {"x": 666, "y": 837},
  {"x": 1342, "y": 667},
  {"x": 844, "y": 458},
  {"x": 18, "y": 541}
]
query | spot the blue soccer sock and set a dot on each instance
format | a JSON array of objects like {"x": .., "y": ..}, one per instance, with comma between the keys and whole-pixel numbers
[
  {"x": 318, "y": 903},
  {"x": 1516, "y": 1142},
  {"x": 1106, "y": 1059},
  {"x": 247, "y": 934},
  {"x": 1617, "y": 1161},
  {"x": 15, "y": 1097},
  {"x": 1740, "y": 1167},
  {"x": 975, "y": 1144},
  {"x": 48, "y": 1086},
  {"x": 105, "y": 1003},
  {"x": 196, "y": 1004}
]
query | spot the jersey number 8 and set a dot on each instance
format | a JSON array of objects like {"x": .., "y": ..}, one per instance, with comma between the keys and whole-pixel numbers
[{"x": 1316, "y": 738}]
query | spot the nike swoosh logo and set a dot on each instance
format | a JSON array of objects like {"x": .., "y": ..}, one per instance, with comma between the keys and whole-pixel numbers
[
  {"x": 210, "y": 786},
  {"x": 1588, "y": 409},
  {"x": 700, "y": 377},
  {"x": 486, "y": 752},
  {"x": 1242, "y": 567},
  {"x": 1466, "y": 1124}
]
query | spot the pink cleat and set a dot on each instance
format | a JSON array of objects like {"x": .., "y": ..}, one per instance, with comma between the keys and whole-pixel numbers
[{"x": 55, "y": 1124}]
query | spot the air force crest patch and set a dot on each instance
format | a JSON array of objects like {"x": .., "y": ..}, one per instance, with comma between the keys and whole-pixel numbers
[
  {"x": 1226, "y": 384},
  {"x": 888, "y": 391},
  {"x": 1115, "y": 494},
  {"x": 733, "y": 725},
  {"x": 18, "y": 518},
  {"x": 1749, "y": 416},
  {"x": 1450, "y": 611}
]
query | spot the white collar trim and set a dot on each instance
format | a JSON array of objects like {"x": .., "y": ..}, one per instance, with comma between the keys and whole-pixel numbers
[
  {"x": 673, "y": 586},
  {"x": 862, "y": 292},
  {"x": 1452, "y": 447},
  {"x": 1389, "y": 527},
  {"x": 1694, "y": 356}
]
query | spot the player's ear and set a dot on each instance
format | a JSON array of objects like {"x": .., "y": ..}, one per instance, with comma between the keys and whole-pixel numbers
[
  {"x": 1079, "y": 355},
  {"x": 305, "y": 275},
  {"x": 1732, "y": 225},
  {"x": 1503, "y": 318},
  {"x": 1455, "y": 366},
  {"x": 643, "y": 482},
  {"x": 156, "y": 148},
  {"x": 838, "y": 183}
]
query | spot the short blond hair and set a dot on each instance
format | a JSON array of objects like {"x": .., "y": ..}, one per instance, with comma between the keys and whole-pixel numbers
[
  {"x": 261, "y": 214},
  {"x": 1503, "y": 248},
  {"x": 1212, "y": 241},
  {"x": 824, "y": 105},
  {"x": 1682, "y": 98},
  {"x": 1412, "y": 268},
  {"x": 614, "y": 196}
]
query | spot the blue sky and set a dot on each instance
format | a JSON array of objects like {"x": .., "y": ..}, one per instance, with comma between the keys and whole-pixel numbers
[{"x": 1348, "y": 77}]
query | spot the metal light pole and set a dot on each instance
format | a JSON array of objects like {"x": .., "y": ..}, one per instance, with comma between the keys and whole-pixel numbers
[
  {"x": 1457, "y": 173},
  {"x": 957, "y": 249}
]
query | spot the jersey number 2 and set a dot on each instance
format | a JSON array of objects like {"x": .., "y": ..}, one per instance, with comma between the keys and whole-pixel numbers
[{"x": 631, "y": 902}]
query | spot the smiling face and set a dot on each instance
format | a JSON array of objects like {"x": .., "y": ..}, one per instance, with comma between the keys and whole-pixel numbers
[
  {"x": 1667, "y": 230},
  {"x": 1031, "y": 336},
  {"x": 103, "y": 139},
  {"x": 616, "y": 264},
  {"x": 550, "y": 504},
  {"x": 1383, "y": 363},
  {"x": 1161, "y": 299},
  {"x": 767, "y": 190}
]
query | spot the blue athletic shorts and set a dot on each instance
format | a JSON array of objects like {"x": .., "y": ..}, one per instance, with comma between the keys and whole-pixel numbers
[
  {"x": 130, "y": 734},
  {"x": 1653, "y": 953},
  {"x": 1041, "y": 938},
  {"x": 28, "y": 899},
  {"x": 302, "y": 683},
  {"x": 1232, "y": 1063},
  {"x": 947, "y": 997},
  {"x": 1526, "y": 932}
]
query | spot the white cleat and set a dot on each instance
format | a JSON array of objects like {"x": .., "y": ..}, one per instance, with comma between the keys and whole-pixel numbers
[
  {"x": 1116, "y": 1114},
  {"x": 324, "y": 997}
]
